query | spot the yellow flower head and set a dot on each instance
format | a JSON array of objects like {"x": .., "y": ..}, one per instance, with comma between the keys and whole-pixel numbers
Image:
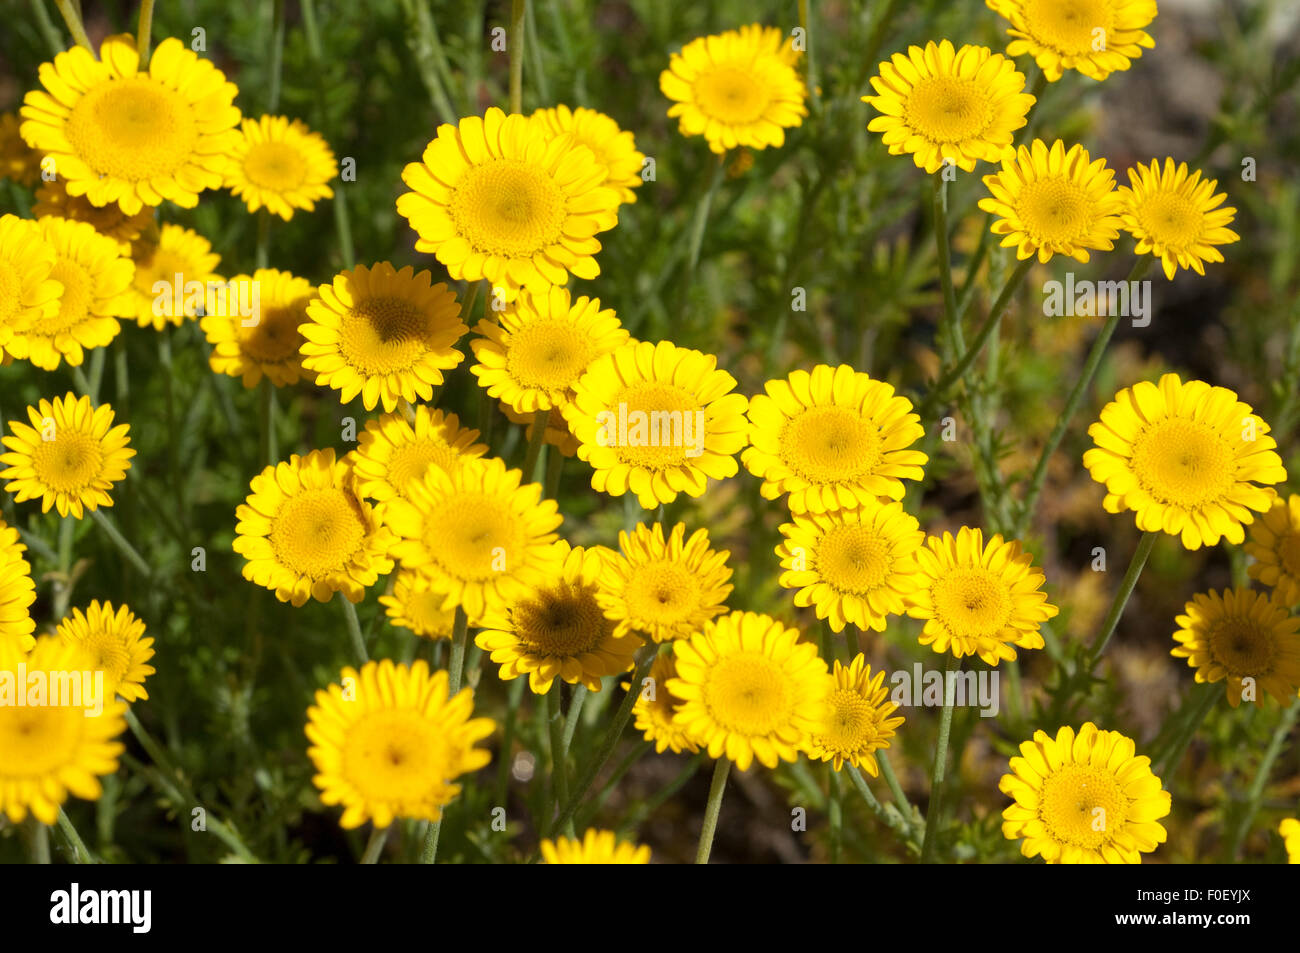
[
  {"x": 179, "y": 257},
  {"x": 1053, "y": 202},
  {"x": 596, "y": 847},
  {"x": 939, "y": 103},
  {"x": 112, "y": 642},
  {"x": 1095, "y": 37},
  {"x": 307, "y": 534},
  {"x": 737, "y": 88},
  {"x": 1289, "y": 830},
  {"x": 17, "y": 593},
  {"x": 393, "y": 452},
  {"x": 28, "y": 292},
  {"x": 1185, "y": 458},
  {"x": 265, "y": 341},
  {"x": 417, "y": 606},
  {"x": 750, "y": 689},
  {"x": 657, "y": 419},
  {"x": 70, "y": 456},
  {"x": 1083, "y": 798},
  {"x": 1245, "y": 637},
  {"x": 279, "y": 163},
  {"x": 534, "y": 353},
  {"x": 501, "y": 198},
  {"x": 614, "y": 148},
  {"x": 18, "y": 163},
  {"x": 477, "y": 534},
  {"x": 978, "y": 599},
  {"x": 655, "y": 706},
  {"x": 1176, "y": 216},
  {"x": 857, "y": 722},
  {"x": 665, "y": 589},
  {"x": 382, "y": 333},
  {"x": 833, "y": 439},
  {"x": 854, "y": 567},
  {"x": 1274, "y": 545},
  {"x": 56, "y": 747},
  {"x": 116, "y": 134},
  {"x": 388, "y": 743},
  {"x": 556, "y": 629},
  {"x": 52, "y": 199}
]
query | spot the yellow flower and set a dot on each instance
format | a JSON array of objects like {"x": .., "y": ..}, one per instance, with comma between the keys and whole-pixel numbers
[
  {"x": 382, "y": 333},
  {"x": 1176, "y": 217},
  {"x": 17, "y": 593},
  {"x": 1185, "y": 458},
  {"x": 52, "y": 199},
  {"x": 857, "y": 722},
  {"x": 1095, "y": 37},
  {"x": 749, "y": 689},
  {"x": 1245, "y": 637},
  {"x": 737, "y": 88},
  {"x": 417, "y": 606},
  {"x": 939, "y": 103},
  {"x": 18, "y": 163},
  {"x": 596, "y": 847},
  {"x": 279, "y": 163},
  {"x": 393, "y": 452},
  {"x": 28, "y": 292},
  {"x": 180, "y": 256},
  {"x": 70, "y": 456},
  {"x": 1084, "y": 798},
  {"x": 853, "y": 566},
  {"x": 96, "y": 281},
  {"x": 500, "y": 198},
  {"x": 1053, "y": 202},
  {"x": 263, "y": 343},
  {"x": 388, "y": 743},
  {"x": 476, "y": 534},
  {"x": 57, "y": 748},
  {"x": 614, "y": 148},
  {"x": 112, "y": 642},
  {"x": 305, "y": 532},
  {"x": 1274, "y": 545},
  {"x": 1289, "y": 829},
  {"x": 116, "y": 134},
  {"x": 532, "y": 356},
  {"x": 657, "y": 419},
  {"x": 655, "y": 706},
  {"x": 833, "y": 439},
  {"x": 978, "y": 599},
  {"x": 664, "y": 589},
  {"x": 556, "y": 629}
]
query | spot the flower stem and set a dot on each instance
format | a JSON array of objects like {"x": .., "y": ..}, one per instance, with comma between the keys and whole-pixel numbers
[
  {"x": 73, "y": 19},
  {"x": 836, "y": 812},
  {"x": 701, "y": 219},
  {"x": 38, "y": 841},
  {"x": 810, "y": 71},
  {"x": 559, "y": 766},
  {"x": 939, "y": 772},
  {"x": 719, "y": 786},
  {"x": 427, "y": 49},
  {"x": 268, "y": 449},
  {"x": 851, "y": 639},
  {"x": 939, "y": 202},
  {"x": 517, "y": 55},
  {"x": 1126, "y": 586},
  {"x": 375, "y": 846},
  {"x": 53, "y": 38},
  {"x": 535, "y": 442},
  {"x": 575, "y": 711},
  {"x": 354, "y": 628},
  {"x": 277, "y": 60},
  {"x": 1256, "y": 793},
  {"x": 1191, "y": 722},
  {"x": 513, "y": 700},
  {"x": 342, "y": 220},
  {"x": 892, "y": 817},
  {"x": 554, "y": 467},
  {"x": 146, "y": 29},
  {"x": 456, "y": 665},
  {"x": 904, "y": 806},
  {"x": 80, "y": 853},
  {"x": 127, "y": 550},
  {"x": 63, "y": 583}
]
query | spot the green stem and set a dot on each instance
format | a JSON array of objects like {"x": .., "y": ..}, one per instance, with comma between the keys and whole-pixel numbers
[
  {"x": 38, "y": 841},
  {"x": 540, "y": 420},
  {"x": 143, "y": 37},
  {"x": 939, "y": 772},
  {"x": 554, "y": 467},
  {"x": 559, "y": 765},
  {"x": 1255, "y": 796},
  {"x": 851, "y": 639},
  {"x": 901, "y": 801},
  {"x": 810, "y": 71},
  {"x": 535, "y": 58},
  {"x": 354, "y": 628},
  {"x": 427, "y": 49},
  {"x": 127, "y": 550},
  {"x": 836, "y": 813},
  {"x": 1122, "y": 594},
  {"x": 892, "y": 817},
  {"x": 277, "y": 61},
  {"x": 1168, "y": 761},
  {"x": 262, "y": 253},
  {"x": 342, "y": 220},
  {"x": 646, "y": 808},
  {"x": 63, "y": 583},
  {"x": 53, "y": 38},
  {"x": 456, "y": 665},
  {"x": 513, "y": 700},
  {"x": 375, "y": 846},
  {"x": 939, "y": 202},
  {"x": 80, "y": 853},
  {"x": 517, "y": 55},
  {"x": 575, "y": 711},
  {"x": 701, "y": 220},
  {"x": 716, "y": 789},
  {"x": 73, "y": 19},
  {"x": 266, "y": 417}
]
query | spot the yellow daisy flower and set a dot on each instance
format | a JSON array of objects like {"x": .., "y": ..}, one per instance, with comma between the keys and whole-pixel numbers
[
  {"x": 417, "y": 606},
  {"x": 52, "y": 750},
  {"x": 1289, "y": 830},
  {"x": 18, "y": 163},
  {"x": 96, "y": 280},
  {"x": 52, "y": 199},
  {"x": 737, "y": 88},
  {"x": 279, "y": 163},
  {"x": 1083, "y": 798},
  {"x": 832, "y": 439},
  {"x": 1053, "y": 202},
  {"x": 388, "y": 743},
  {"x": 70, "y": 456},
  {"x": 596, "y": 847},
  {"x": 1095, "y": 37},
  {"x": 664, "y": 589},
  {"x": 614, "y": 148},
  {"x": 1185, "y": 458},
  {"x": 394, "y": 452},
  {"x": 655, "y": 706},
  {"x": 1274, "y": 545},
  {"x": 657, "y": 419},
  {"x": 17, "y": 593},
  {"x": 534, "y": 353},
  {"x": 180, "y": 256},
  {"x": 556, "y": 629},
  {"x": 28, "y": 292},
  {"x": 1241, "y": 635},
  {"x": 557, "y": 435},
  {"x": 117, "y": 134},
  {"x": 306, "y": 534},
  {"x": 857, "y": 722},
  {"x": 382, "y": 333},
  {"x": 113, "y": 642},
  {"x": 500, "y": 198},
  {"x": 476, "y": 534},
  {"x": 749, "y": 689},
  {"x": 855, "y": 567},
  {"x": 939, "y": 103},
  {"x": 265, "y": 343},
  {"x": 978, "y": 599},
  {"x": 1176, "y": 216}
]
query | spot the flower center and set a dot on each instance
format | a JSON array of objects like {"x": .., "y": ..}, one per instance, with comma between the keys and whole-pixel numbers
[
  {"x": 563, "y": 622},
  {"x": 1055, "y": 210},
  {"x": 1082, "y": 806},
  {"x": 75, "y": 304},
  {"x": 1242, "y": 646},
  {"x": 853, "y": 558},
  {"x": 830, "y": 444},
  {"x": 69, "y": 463},
  {"x": 1070, "y": 26},
  {"x": 276, "y": 166},
  {"x": 662, "y": 592},
  {"x": 383, "y": 335},
  {"x": 948, "y": 109},
  {"x": 748, "y": 693},
  {"x": 317, "y": 531},
  {"x": 473, "y": 537},
  {"x": 731, "y": 94},
  {"x": 411, "y": 462},
  {"x": 395, "y": 755},
  {"x": 659, "y": 417},
  {"x": 35, "y": 741},
  {"x": 1171, "y": 219},
  {"x": 132, "y": 129},
  {"x": 275, "y": 338},
  {"x": 1185, "y": 463},
  {"x": 508, "y": 207},
  {"x": 548, "y": 355},
  {"x": 850, "y": 724},
  {"x": 107, "y": 654},
  {"x": 973, "y": 603}
]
